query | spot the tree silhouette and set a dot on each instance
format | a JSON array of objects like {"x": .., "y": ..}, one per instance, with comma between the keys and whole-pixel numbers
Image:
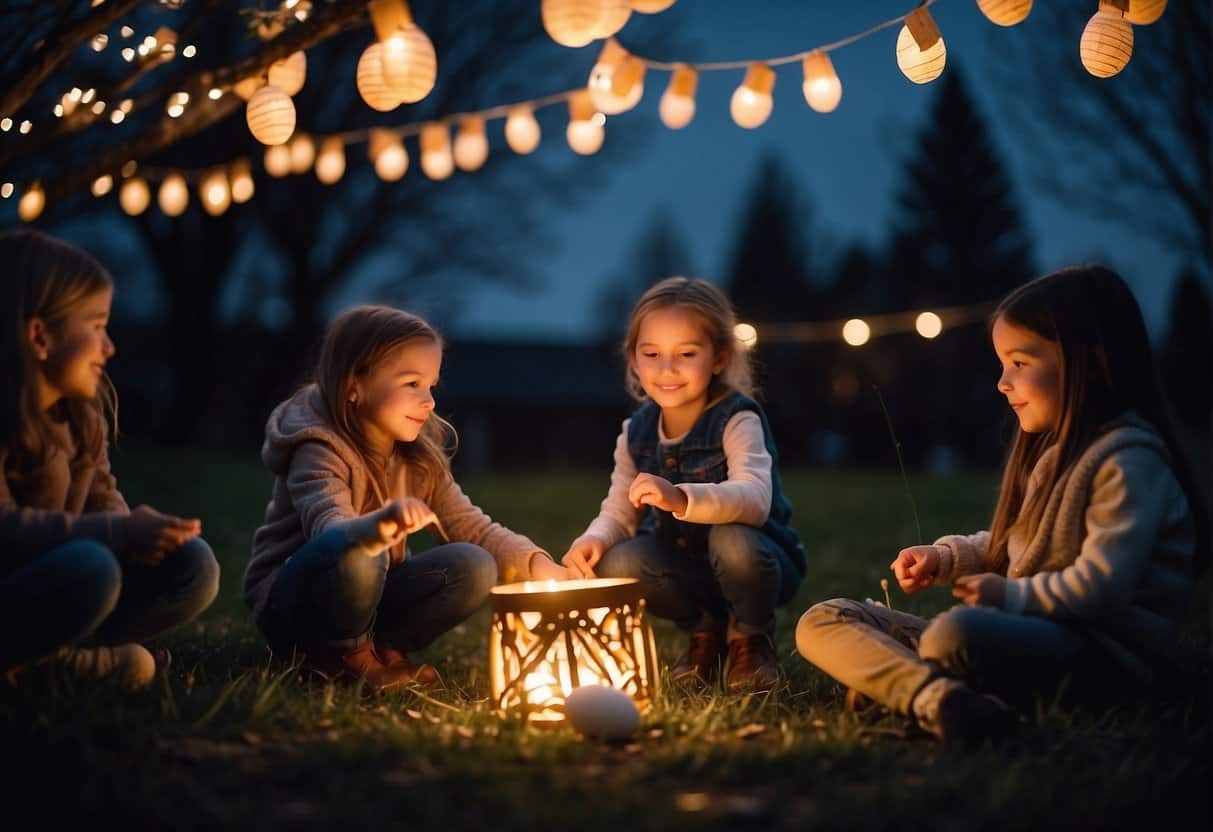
[{"x": 1186, "y": 359}]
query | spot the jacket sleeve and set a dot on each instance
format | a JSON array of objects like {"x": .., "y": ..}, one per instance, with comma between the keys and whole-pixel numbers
[
  {"x": 103, "y": 494},
  {"x": 463, "y": 521},
  {"x": 965, "y": 554},
  {"x": 318, "y": 482},
  {"x": 617, "y": 518},
  {"x": 745, "y": 497}
]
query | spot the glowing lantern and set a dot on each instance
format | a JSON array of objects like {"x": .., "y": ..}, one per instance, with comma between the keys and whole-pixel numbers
[
  {"x": 1005, "y": 12},
  {"x": 242, "y": 181},
  {"x": 409, "y": 64},
  {"x": 215, "y": 193},
  {"x": 746, "y": 335},
  {"x": 1107, "y": 43},
  {"x": 134, "y": 196},
  {"x": 271, "y": 115},
  {"x": 522, "y": 130},
  {"x": 102, "y": 184},
  {"x": 616, "y": 82},
  {"x": 678, "y": 103},
  {"x": 856, "y": 332},
  {"x": 247, "y": 87},
  {"x": 388, "y": 155},
  {"x": 651, "y": 6},
  {"x": 822, "y": 88},
  {"x": 370, "y": 82},
  {"x": 471, "y": 144},
  {"x": 752, "y": 103},
  {"x": 571, "y": 22},
  {"x": 303, "y": 153},
  {"x": 30, "y": 206},
  {"x": 548, "y": 638},
  {"x": 278, "y": 161},
  {"x": 615, "y": 14},
  {"x": 174, "y": 196},
  {"x": 330, "y": 164},
  {"x": 289, "y": 73},
  {"x": 928, "y": 325},
  {"x": 584, "y": 133},
  {"x": 921, "y": 53},
  {"x": 1145, "y": 12},
  {"x": 436, "y": 161}
]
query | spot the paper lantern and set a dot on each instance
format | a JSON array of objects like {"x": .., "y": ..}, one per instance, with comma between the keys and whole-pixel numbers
[
  {"x": 247, "y": 87},
  {"x": 303, "y": 153},
  {"x": 330, "y": 164},
  {"x": 1145, "y": 12},
  {"x": 822, "y": 87},
  {"x": 1005, "y": 12},
  {"x": 30, "y": 206},
  {"x": 547, "y": 639},
  {"x": 102, "y": 185},
  {"x": 271, "y": 115},
  {"x": 651, "y": 6},
  {"x": 134, "y": 196},
  {"x": 752, "y": 103},
  {"x": 388, "y": 155},
  {"x": 471, "y": 144},
  {"x": 856, "y": 332},
  {"x": 616, "y": 82},
  {"x": 241, "y": 177},
  {"x": 289, "y": 73},
  {"x": 584, "y": 133},
  {"x": 370, "y": 82},
  {"x": 571, "y": 22},
  {"x": 522, "y": 132},
  {"x": 928, "y": 325},
  {"x": 677, "y": 106},
  {"x": 174, "y": 196},
  {"x": 215, "y": 193},
  {"x": 1106, "y": 45},
  {"x": 410, "y": 66},
  {"x": 921, "y": 53},
  {"x": 615, "y": 14},
  {"x": 436, "y": 161},
  {"x": 278, "y": 161}
]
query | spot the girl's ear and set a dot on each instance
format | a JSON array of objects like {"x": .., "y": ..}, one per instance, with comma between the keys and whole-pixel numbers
[
  {"x": 38, "y": 338},
  {"x": 723, "y": 357}
]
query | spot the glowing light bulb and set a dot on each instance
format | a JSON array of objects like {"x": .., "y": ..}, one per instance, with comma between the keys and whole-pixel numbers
[
  {"x": 751, "y": 104},
  {"x": 677, "y": 106},
  {"x": 856, "y": 332},
  {"x": 928, "y": 325}
]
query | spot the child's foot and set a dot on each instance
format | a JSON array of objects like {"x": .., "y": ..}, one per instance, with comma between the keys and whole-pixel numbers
[
  {"x": 701, "y": 661},
  {"x": 958, "y": 715},
  {"x": 423, "y": 674},
  {"x": 128, "y": 665},
  {"x": 752, "y": 663},
  {"x": 363, "y": 662}
]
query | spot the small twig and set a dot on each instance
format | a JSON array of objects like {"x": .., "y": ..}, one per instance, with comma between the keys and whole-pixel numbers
[{"x": 900, "y": 463}]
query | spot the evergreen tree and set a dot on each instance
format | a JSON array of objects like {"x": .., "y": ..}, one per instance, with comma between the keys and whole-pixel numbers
[
  {"x": 659, "y": 251},
  {"x": 1186, "y": 360}
]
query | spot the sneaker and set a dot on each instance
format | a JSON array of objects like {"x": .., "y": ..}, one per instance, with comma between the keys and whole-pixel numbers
[
  {"x": 966, "y": 718},
  {"x": 701, "y": 661},
  {"x": 129, "y": 665}
]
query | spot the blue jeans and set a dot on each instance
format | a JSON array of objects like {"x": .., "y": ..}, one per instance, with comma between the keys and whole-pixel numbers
[
  {"x": 81, "y": 589},
  {"x": 743, "y": 573},
  {"x": 331, "y": 593}
]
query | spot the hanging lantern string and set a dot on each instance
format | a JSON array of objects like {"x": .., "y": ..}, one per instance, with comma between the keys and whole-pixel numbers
[
  {"x": 950, "y": 317},
  {"x": 720, "y": 66}
]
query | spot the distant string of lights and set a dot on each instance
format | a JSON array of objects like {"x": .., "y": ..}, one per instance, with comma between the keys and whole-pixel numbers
[{"x": 857, "y": 332}]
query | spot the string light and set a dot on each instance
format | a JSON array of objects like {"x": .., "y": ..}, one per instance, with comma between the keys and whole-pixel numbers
[
  {"x": 6, "y": 124},
  {"x": 242, "y": 181},
  {"x": 271, "y": 115},
  {"x": 522, "y": 131},
  {"x": 616, "y": 82},
  {"x": 134, "y": 196},
  {"x": 100, "y": 41},
  {"x": 388, "y": 155},
  {"x": 370, "y": 82},
  {"x": 277, "y": 160},
  {"x": 303, "y": 152},
  {"x": 25, "y": 127},
  {"x": 174, "y": 196},
  {"x": 330, "y": 163},
  {"x": 856, "y": 332},
  {"x": 677, "y": 106},
  {"x": 436, "y": 160},
  {"x": 102, "y": 185},
  {"x": 30, "y": 206},
  {"x": 746, "y": 335},
  {"x": 751, "y": 104},
  {"x": 584, "y": 133},
  {"x": 6, "y": 190},
  {"x": 822, "y": 87},
  {"x": 215, "y": 193},
  {"x": 928, "y": 325},
  {"x": 471, "y": 144}
]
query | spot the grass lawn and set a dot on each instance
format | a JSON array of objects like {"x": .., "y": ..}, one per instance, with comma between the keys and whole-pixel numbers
[{"x": 229, "y": 738}]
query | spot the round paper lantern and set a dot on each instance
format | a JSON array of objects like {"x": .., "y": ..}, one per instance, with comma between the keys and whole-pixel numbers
[
  {"x": 248, "y": 86},
  {"x": 303, "y": 153},
  {"x": 330, "y": 164},
  {"x": 242, "y": 181},
  {"x": 30, "y": 206},
  {"x": 410, "y": 66},
  {"x": 522, "y": 132},
  {"x": 134, "y": 196},
  {"x": 584, "y": 133},
  {"x": 1005, "y": 12},
  {"x": 215, "y": 194},
  {"x": 677, "y": 106},
  {"x": 436, "y": 161},
  {"x": 278, "y": 161},
  {"x": 1145, "y": 12},
  {"x": 920, "y": 66},
  {"x": 571, "y": 22},
  {"x": 822, "y": 88},
  {"x": 174, "y": 196},
  {"x": 271, "y": 115},
  {"x": 651, "y": 6},
  {"x": 471, "y": 144},
  {"x": 616, "y": 82},
  {"x": 388, "y": 155},
  {"x": 289, "y": 73},
  {"x": 615, "y": 14},
  {"x": 370, "y": 81},
  {"x": 752, "y": 103},
  {"x": 1106, "y": 45}
]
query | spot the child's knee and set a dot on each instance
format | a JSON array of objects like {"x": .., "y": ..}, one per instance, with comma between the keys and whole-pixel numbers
[
  {"x": 623, "y": 560},
  {"x": 947, "y": 639},
  {"x": 479, "y": 570},
  {"x": 96, "y": 579},
  {"x": 201, "y": 570},
  {"x": 814, "y": 626},
  {"x": 735, "y": 552}
]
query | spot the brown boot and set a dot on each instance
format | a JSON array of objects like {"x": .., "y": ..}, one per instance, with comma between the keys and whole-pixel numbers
[
  {"x": 752, "y": 663},
  {"x": 360, "y": 663},
  {"x": 701, "y": 661},
  {"x": 423, "y": 674}
]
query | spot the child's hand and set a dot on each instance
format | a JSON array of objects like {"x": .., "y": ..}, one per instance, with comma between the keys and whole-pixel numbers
[
  {"x": 544, "y": 568},
  {"x": 650, "y": 490},
  {"x": 152, "y": 535},
  {"x": 582, "y": 555},
  {"x": 985, "y": 590},
  {"x": 916, "y": 567},
  {"x": 390, "y": 525}
]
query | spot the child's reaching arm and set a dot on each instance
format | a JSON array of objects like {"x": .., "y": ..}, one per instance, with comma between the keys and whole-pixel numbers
[
  {"x": 617, "y": 518},
  {"x": 745, "y": 497}
]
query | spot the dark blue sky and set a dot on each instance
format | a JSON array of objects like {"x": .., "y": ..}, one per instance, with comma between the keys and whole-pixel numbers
[{"x": 849, "y": 162}]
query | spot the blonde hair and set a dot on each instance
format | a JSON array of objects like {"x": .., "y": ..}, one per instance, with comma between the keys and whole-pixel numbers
[
  {"x": 357, "y": 342},
  {"x": 719, "y": 321},
  {"x": 46, "y": 279}
]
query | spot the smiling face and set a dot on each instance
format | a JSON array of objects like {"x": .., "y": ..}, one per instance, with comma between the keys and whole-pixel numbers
[
  {"x": 71, "y": 356},
  {"x": 675, "y": 361},
  {"x": 1031, "y": 375},
  {"x": 395, "y": 399}
]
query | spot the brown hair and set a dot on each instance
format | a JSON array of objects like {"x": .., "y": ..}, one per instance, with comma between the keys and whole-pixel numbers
[
  {"x": 719, "y": 321},
  {"x": 354, "y": 345},
  {"x": 47, "y": 279},
  {"x": 1107, "y": 368}
]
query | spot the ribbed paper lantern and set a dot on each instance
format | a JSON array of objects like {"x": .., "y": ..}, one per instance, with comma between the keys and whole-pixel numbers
[
  {"x": 651, "y": 6},
  {"x": 584, "y": 133},
  {"x": 677, "y": 106},
  {"x": 174, "y": 196},
  {"x": 471, "y": 144},
  {"x": 30, "y": 206},
  {"x": 215, "y": 193},
  {"x": 752, "y": 103},
  {"x": 278, "y": 161},
  {"x": 289, "y": 73},
  {"x": 241, "y": 177},
  {"x": 1145, "y": 12},
  {"x": 822, "y": 87},
  {"x": 921, "y": 53},
  {"x": 370, "y": 81},
  {"x": 615, "y": 14},
  {"x": 134, "y": 196},
  {"x": 1005, "y": 12},
  {"x": 303, "y": 152},
  {"x": 436, "y": 161},
  {"x": 522, "y": 132},
  {"x": 271, "y": 115},
  {"x": 388, "y": 155},
  {"x": 410, "y": 66},
  {"x": 616, "y": 82},
  {"x": 1106, "y": 45},
  {"x": 571, "y": 22},
  {"x": 330, "y": 164}
]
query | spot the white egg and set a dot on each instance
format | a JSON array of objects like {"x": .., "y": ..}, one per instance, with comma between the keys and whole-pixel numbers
[{"x": 601, "y": 712}]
